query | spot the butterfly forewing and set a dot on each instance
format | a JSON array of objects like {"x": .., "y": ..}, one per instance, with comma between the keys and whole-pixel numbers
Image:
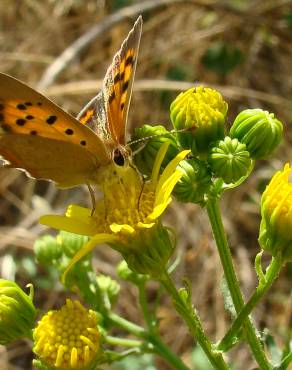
[
  {"x": 114, "y": 99},
  {"x": 30, "y": 120}
]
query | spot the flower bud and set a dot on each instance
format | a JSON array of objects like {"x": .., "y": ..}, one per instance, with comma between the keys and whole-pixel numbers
[
  {"x": 276, "y": 209},
  {"x": 108, "y": 287},
  {"x": 17, "y": 312},
  {"x": 148, "y": 252},
  {"x": 47, "y": 250},
  {"x": 230, "y": 160},
  {"x": 127, "y": 274},
  {"x": 71, "y": 243},
  {"x": 194, "y": 183},
  {"x": 68, "y": 338},
  {"x": 259, "y": 130},
  {"x": 154, "y": 137},
  {"x": 201, "y": 112}
]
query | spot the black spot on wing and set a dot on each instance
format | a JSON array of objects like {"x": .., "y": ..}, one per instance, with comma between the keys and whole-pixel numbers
[
  {"x": 69, "y": 131},
  {"x": 29, "y": 117},
  {"x": 83, "y": 142},
  {"x": 21, "y": 106},
  {"x": 6, "y": 128},
  {"x": 51, "y": 120},
  {"x": 129, "y": 60},
  {"x": 125, "y": 86},
  {"x": 122, "y": 106},
  {"x": 112, "y": 96},
  {"x": 20, "y": 122},
  {"x": 28, "y": 104},
  {"x": 117, "y": 78},
  {"x": 33, "y": 132}
]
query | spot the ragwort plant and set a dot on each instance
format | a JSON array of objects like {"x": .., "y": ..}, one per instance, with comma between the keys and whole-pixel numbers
[{"x": 196, "y": 162}]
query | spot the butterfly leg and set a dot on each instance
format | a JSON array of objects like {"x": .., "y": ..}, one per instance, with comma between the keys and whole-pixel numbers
[
  {"x": 141, "y": 192},
  {"x": 92, "y": 196}
]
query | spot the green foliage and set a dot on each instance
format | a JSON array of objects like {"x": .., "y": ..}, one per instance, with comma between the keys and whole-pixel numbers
[{"x": 222, "y": 58}]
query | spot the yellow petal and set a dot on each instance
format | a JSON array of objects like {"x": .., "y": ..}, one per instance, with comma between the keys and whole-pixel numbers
[
  {"x": 124, "y": 229},
  {"x": 158, "y": 160},
  {"x": 68, "y": 224},
  {"x": 145, "y": 226},
  {"x": 170, "y": 168},
  {"x": 166, "y": 188},
  {"x": 158, "y": 210},
  {"x": 87, "y": 248},
  {"x": 80, "y": 213}
]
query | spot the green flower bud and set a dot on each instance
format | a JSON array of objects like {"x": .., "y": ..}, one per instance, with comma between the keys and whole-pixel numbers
[
  {"x": 154, "y": 136},
  {"x": 17, "y": 312},
  {"x": 71, "y": 243},
  {"x": 230, "y": 160},
  {"x": 47, "y": 250},
  {"x": 259, "y": 130},
  {"x": 201, "y": 112},
  {"x": 149, "y": 252},
  {"x": 127, "y": 274},
  {"x": 276, "y": 210},
  {"x": 194, "y": 183},
  {"x": 108, "y": 287}
]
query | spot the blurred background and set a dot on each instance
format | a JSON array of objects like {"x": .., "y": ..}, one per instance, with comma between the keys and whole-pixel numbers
[{"x": 242, "y": 48}]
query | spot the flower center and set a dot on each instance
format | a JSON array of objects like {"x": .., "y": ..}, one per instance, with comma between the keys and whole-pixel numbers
[{"x": 126, "y": 202}]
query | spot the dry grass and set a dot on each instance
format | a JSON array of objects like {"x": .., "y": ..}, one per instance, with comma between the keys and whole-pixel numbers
[{"x": 33, "y": 34}]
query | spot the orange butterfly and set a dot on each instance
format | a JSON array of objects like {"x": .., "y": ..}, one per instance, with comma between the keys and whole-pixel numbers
[{"x": 48, "y": 143}]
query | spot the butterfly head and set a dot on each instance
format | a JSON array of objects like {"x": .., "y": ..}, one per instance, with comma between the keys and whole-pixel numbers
[{"x": 121, "y": 155}]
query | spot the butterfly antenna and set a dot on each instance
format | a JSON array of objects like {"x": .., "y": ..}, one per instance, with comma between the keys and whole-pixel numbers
[
  {"x": 147, "y": 138},
  {"x": 92, "y": 196}
]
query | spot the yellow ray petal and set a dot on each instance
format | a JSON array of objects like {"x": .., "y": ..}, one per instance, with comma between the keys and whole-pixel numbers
[
  {"x": 158, "y": 160},
  {"x": 68, "y": 224},
  {"x": 87, "y": 248}
]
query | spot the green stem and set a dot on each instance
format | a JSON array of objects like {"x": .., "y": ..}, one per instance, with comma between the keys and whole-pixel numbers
[
  {"x": 271, "y": 274},
  {"x": 132, "y": 328},
  {"x": 233, "y": 284},
  {"x": 165, "y": 352},
  {"x": 191, "y": 318},
  {"x": 158, "y": 346},
  {"x": 144, "y": 305},
  {"x": 123, "y": 342}
]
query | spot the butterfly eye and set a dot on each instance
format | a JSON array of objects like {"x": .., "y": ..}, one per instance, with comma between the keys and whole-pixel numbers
[{"x": 119, "y": 157}]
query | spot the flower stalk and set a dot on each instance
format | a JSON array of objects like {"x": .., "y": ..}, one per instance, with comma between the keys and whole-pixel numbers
[
  {"x": 191, "y": 318},
  {"x": 264, "y": 285},
  {"x": 233, "y": 284}
]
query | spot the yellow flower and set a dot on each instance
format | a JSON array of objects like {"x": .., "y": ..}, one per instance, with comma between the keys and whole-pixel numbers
[
  {"x": 276, "y": 209},
  {"x": 68, "y": 338},
  {"x": 128, "y": 216}
]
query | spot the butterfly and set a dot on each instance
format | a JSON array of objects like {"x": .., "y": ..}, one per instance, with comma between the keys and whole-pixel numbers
[{"x": 41, "y": 138}]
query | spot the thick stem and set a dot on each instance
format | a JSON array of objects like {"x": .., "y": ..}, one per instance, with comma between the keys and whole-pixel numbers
[
  {"x": 191, "y": 318},
  {"x": 271, "y": 274},
  {"x": 233, "y": 284}
]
